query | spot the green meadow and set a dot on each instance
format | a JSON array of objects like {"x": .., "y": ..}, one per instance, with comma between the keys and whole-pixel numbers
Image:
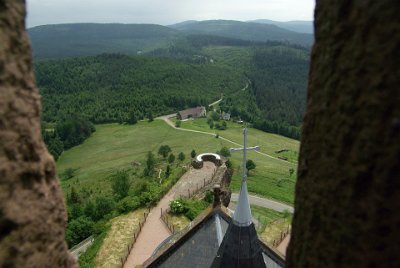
[{"x": 114, "y": 147}]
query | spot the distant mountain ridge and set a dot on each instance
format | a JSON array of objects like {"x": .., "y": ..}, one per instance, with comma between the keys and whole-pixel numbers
[
  {"x": 88, "y": 39},
  {"x": 299, "y": 26},
  {"x": 252, "y": 31}
]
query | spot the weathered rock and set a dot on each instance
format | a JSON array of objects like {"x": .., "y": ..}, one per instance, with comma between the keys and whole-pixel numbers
[
  {"x": 347, "y": 203},
  {"x": 32, "y": 209}
]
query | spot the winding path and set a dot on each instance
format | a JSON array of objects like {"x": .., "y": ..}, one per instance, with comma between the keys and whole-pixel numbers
[{"x": 166, "y": 118}]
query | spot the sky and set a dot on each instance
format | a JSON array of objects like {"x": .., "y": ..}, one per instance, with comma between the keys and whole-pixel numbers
[{"x": 164, "y": 12}]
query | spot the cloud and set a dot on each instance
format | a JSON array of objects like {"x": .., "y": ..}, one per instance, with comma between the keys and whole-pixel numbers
[{"x": 164, "y": 11}]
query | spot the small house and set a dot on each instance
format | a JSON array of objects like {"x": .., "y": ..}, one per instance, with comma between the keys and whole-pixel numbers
[{"x": 192, "y": 113}]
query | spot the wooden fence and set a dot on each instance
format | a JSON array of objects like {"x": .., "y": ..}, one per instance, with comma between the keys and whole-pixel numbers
[
  {"x": 282, "y": 236},
  {"x": 134, "y": 238}
]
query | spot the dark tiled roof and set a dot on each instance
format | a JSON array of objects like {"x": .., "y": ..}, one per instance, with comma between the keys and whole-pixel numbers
[
  {"x": 199, "y": 245},
  {"x": 240, "y": 248}
]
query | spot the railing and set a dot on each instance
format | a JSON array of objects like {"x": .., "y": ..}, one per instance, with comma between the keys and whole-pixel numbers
[
  {"x": 164, "y": 216},
  {"x": 283, "y": 235},
  {"x": 134, "y": 238}
]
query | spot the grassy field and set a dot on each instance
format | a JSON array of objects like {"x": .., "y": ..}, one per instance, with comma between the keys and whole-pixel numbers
[
  {"x": 271, "y": 178},
  {"x": 114, "y": 147}
]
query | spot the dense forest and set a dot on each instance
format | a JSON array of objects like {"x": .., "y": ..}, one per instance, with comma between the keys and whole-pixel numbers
[
  {"x": 262, "y": 83},
  {"x": 110, "y": 87}
]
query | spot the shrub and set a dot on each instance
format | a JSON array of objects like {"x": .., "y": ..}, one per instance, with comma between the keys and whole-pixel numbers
[
  {"x": 177, "y": 207},
  {"x": 225, "y": 152},
  {"x": 78, "y": 230},
  {"x": 209, "y": 197},
  {"x": 128, "y": 204},
  {"x": 164, "y": 150},
  {"x": 120, "y": 184},
  {"x": 250, "y": 164}
]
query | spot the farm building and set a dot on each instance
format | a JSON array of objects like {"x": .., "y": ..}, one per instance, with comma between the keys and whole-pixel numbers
[{"x": 192, "y": 112}]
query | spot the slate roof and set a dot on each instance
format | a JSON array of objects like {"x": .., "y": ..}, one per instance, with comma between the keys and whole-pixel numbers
[{"x": 198, "y": 246}]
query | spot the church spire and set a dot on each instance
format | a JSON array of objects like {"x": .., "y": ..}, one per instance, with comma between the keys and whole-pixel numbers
[{"x": 242, "y": 215}]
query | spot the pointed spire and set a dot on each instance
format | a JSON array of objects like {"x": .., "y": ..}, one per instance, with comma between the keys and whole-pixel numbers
[{"x": 242, "y": 215}]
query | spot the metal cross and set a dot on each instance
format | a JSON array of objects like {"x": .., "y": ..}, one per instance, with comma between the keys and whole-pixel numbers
[
  {"x": 244, "y": 149},
  {"x": 242, "y": 215}
]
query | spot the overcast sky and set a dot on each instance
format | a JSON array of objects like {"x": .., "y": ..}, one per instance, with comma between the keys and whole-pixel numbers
[{"x": 164, "y": 11}]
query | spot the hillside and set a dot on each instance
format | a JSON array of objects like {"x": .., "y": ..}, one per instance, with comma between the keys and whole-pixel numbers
[
  {"x": 299, "y": 26},
  {"x": 245, "y": 31},
  {"x": 110, "y": 87},
  {"x": 86, "y": 39}
]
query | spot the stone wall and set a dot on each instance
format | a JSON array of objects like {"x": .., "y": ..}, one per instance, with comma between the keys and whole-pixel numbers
[
  {"x": 32, "y": 209},
  {"x": 347, "y": 203}
]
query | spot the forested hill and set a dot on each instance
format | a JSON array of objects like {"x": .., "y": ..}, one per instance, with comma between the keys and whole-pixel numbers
[
  {"x": 299, "y": 26},
  {"x": 111, "y": 87},
  {"x": 245, "y": 30},
  {"x": 86, "y": 39}
]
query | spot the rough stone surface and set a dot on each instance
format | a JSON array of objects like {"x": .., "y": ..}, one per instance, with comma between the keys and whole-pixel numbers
[
  {"x": 347, "y": 203},
  {"x": 32, "y": 209}
]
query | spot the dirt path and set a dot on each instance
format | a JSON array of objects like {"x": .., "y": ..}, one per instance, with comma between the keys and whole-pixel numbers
[{"x": 154, "y": 230}]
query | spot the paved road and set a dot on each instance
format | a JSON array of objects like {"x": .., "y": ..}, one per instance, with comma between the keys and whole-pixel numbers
[
  {"x": 264, "y": 202},
  {"x": 166, "y": 118}
]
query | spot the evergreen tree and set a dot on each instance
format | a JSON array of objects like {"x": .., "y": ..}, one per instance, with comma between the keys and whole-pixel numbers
[
  {"x": 171, "y": 158},
  {"x": 150, "y": 163},
  {"x": 181, "y": 156},
  {"x": 168, "y": 171},
  {"x": 193, "y": 153}
]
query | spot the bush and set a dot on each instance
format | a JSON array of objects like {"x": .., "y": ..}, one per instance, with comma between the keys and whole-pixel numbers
[
  {"x": 178, "y": 123},
  {"x": 103, "y": 207},
  {"x": 193, "y": 153},
  {"x": 120, "y": 184},
  {"x": 151, "y": 194},
  {"x": 189, "y": 207},
  {"x": 128, "y": 204},
  {"x": 177, "y": 207},
  {"x": 250, "y": 164},
  {"x": 78, "y": 230},
  {"x": 164, "y": 150},
  {"x": 209, "y": 197},
  {"x": 225, "y": 152}
]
